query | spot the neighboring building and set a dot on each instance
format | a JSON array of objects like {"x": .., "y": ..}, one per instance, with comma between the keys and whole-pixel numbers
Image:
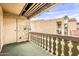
[
  {"x": 55, "y": 26},
  {"x": 63, "y": 26},
  {"x": 72, "y": 26},
  {"x": 77, "y": 25},
  {"x": 76, "y": 32}
]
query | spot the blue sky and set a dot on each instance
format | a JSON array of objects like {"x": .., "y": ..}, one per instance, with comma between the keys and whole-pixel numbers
[{"x": 69, "y": 9}]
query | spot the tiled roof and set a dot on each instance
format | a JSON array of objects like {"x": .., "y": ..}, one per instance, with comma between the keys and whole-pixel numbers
[{"x": 72, "y": 19}]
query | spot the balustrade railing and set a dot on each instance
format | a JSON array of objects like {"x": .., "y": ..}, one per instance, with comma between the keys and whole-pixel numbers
[{"x": 57, "y": 44}]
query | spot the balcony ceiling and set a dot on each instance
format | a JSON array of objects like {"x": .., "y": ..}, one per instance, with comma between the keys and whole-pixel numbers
[
  {"x": 25, "y": 9},
  {"x": 14, "y": 8}
]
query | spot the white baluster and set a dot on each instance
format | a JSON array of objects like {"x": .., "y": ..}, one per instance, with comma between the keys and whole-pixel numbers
[
  {"x": 56, "y": 46},
  {"x": 52, "y": 43},
  {"x": 48, "y": 43},
  {"x": 78, "y": 49},
  {"x": 62, "y": 48},
  {"x": 70, "y": 48}
]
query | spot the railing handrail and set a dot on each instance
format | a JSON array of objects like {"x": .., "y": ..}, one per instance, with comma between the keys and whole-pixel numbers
[{"x": 72, "y": 38}]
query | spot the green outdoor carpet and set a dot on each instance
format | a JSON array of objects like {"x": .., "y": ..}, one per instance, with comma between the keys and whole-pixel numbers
[{"x": 24, "y": 49}]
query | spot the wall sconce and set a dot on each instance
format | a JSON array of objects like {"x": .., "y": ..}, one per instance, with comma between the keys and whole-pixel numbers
[{"x": 24, "y": 28}]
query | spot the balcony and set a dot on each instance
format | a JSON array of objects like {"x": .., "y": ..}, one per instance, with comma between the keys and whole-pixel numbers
[{"x": 16, "y": 30}]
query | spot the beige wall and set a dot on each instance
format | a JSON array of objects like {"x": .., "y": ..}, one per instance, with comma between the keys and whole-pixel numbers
[
  {"x": 14, "y": 28},
  {"x": 48, "y": 26},
  {"x": 22, "y": 27},
  {"x": 9, "y": 28},
  {"x": 72, "y": 26},
  {"x": 1, "y": 28}
]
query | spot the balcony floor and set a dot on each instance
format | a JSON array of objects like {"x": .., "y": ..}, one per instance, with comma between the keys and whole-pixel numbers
[{"x": 24, "y": 49}]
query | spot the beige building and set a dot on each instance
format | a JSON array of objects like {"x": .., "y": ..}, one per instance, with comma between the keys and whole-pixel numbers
[
  {"x": 47, "y": 26},
  {"x": 72, "y": 26},
  {"x": 63, "y": 26}
]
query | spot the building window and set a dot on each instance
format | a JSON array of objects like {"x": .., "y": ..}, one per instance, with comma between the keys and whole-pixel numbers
[{"x": 59, "y": 23}]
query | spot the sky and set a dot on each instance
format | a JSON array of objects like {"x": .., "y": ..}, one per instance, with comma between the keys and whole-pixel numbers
[{"x": 69, "y": 9}]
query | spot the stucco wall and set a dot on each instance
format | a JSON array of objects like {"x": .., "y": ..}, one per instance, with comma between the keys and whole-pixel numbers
[
  {"x": 47, "y": 26},
  {"x": 72, "y": 26},
  {"x": 22, "y": 28},
  {"x": 1, "y": 28},
  {"x": 13, "y": 26},
  {"x": 9, "y": 27}
]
